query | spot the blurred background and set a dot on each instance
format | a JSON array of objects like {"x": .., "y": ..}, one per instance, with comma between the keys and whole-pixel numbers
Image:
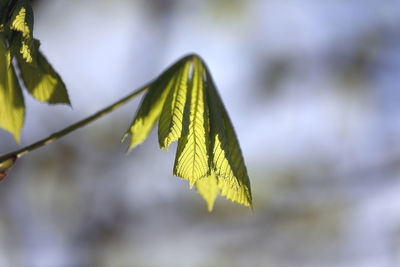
[{"x": 312, "y": 88}]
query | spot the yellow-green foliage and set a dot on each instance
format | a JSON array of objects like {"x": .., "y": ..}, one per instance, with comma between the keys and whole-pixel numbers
[
  {"x": 12, "y": 108},
  {"x": 208, "y": 188},
  {"x": 22, "y": 22},
  {"x": 39, "y": 77},
  {"x": 41, "y": 80},
  {"x": 183, "y": 98},
  {"x": 190, "y": 111},
  {"x": 151, "y": 107},
  {"x": 170, "y": 123},
  {"x": 193, "y": 153}
]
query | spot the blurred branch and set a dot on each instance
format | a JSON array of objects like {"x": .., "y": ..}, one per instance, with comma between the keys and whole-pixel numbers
[{"x": 55, "y": 136}]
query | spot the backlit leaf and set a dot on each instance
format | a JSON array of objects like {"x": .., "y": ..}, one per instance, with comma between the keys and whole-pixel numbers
[
  {"x": 22, "y": 18},
  {"x": 22, "y": 21},
  {"x": 170, "y": 123},
  {"x": 151, "y": 106},
  {"x": 192, "y": 156},
  {"x": 227, "y": 159},
  {"x": 191, "y": 112},
  {"x": 208, "y": 188},
  {"x": 12, "y": 107},
  {"x": 41, "y": 80},
  {"x": 26, "y": 50}
]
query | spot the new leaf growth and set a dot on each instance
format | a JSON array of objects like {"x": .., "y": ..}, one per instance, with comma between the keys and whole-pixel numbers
[
  {"x": 183, "y": 99},
  {"x": 38, "y": 76},
  {"x": 186, "y": 102}
]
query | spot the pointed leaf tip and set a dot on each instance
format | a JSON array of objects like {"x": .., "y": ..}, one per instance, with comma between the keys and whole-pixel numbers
[
  {"x": 208, "y": 189},
  {"x": 42, "y": 81}
]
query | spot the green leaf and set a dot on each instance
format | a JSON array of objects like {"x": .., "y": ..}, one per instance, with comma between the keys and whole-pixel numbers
[
  {"x": 170, "y": 123},
  {"x": 12, "y": 107},
  {"x": 42, "y": 81},
  {"x": 208, "y": 188},
  {"x": 22, "y": 21},
  {"x": 191, "y": 112},
  {"x": 237, "y": 189},
  {"x": 227, "y": 159},
  {"x": 151, "y": 106},
  {"x": 22, "y": 18},
  {"x": 192, "y": 156}
]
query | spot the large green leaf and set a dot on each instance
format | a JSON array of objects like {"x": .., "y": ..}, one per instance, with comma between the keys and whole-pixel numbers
[
  {"x": 12, "y": 107},
  {"x": 41, "y": 80},
  {"x": 191, "y": 112}
]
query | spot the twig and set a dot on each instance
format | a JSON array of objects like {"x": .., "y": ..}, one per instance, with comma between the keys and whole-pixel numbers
[{"x": 55, "y": 136}]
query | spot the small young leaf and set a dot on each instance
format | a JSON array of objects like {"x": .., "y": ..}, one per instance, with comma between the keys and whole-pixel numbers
[
  {"x": 192, "y": 156},
  {"x": 170, "y": 123},
  {"x": 192, "y": 113},
  {"x": 12, "y": 107},
  {"x": 151, "y": 106},
  {"x": 228, "y": 163},
  {"x": 41, "y": 80},
  {"x": 240, "y": 192}
]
